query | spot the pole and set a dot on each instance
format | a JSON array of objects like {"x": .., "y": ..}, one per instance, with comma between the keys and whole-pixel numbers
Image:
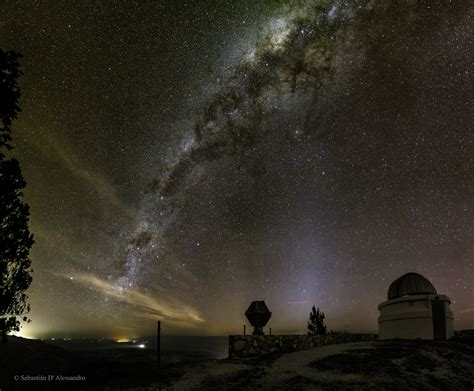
[
  {"x": 158, "y": 344},
  {"x": 244, "y": 329},
  {"x": 270, "y": 330}
]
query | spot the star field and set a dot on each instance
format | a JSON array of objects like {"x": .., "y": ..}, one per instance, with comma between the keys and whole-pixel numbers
[{"x": 186, "y": 158}]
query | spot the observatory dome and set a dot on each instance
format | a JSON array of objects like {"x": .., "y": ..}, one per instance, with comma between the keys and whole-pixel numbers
[{"x": 410, "y": 284}]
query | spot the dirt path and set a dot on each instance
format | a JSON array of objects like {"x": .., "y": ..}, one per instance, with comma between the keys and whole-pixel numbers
[
  {"x": 263, "y": 375},
  {"x": 204, "y": 373},
  {"x": 294, "y": 367}
]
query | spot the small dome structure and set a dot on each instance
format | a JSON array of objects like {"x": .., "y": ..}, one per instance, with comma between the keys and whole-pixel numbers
[
  {"x": 410, "y": 284},
  {"x": 415, "y": 310}
]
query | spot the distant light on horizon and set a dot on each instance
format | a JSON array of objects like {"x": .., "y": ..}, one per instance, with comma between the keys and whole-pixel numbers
[
  {"x": 141, "y": 346},
  {"x": 22, "y": 334}
]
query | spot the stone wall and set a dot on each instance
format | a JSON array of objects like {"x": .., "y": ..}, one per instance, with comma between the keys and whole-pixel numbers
[{"x": 258, "y": 345}]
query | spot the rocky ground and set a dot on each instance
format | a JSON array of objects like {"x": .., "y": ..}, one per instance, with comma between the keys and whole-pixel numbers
[{"x": 394, "y": 365}]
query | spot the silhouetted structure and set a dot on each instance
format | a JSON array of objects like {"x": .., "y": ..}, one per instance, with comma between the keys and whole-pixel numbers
[
  {"x": 258, "y": 315},
  {"x": 415, "y": 310},
  {"x": 158, "y": 343}
]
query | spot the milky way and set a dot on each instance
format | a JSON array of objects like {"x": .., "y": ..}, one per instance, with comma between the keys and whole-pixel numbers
[
  {"x": 296, "y": 54},
  {"x": 303, "y": 153}
]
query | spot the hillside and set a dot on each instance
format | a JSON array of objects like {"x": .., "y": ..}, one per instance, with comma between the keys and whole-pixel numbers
[{"x": 385, "y": 365}]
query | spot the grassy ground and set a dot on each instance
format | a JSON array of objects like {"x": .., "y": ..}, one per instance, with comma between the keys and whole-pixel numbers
[
  {"x": 403, "y": 365},
  {"x": 381, "y": 365},
  {"x": 394, "y": 365}
]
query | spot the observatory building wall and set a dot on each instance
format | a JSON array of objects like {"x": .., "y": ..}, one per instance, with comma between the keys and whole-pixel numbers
[{"x": 410, "y": 317}]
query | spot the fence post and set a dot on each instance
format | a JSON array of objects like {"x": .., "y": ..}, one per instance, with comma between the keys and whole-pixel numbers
[{"x": 158, "y": 344}]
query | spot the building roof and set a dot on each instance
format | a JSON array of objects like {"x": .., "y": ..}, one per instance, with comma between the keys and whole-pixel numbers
[{"x": 410, "y": 284}]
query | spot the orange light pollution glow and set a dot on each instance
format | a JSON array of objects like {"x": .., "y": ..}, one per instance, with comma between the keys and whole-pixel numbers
[{"x": 122, "y": 340}]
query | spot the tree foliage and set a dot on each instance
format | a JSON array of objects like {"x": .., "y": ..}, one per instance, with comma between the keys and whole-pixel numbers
[
  {"x": 15, "y": 237},
  {"x": 316, "y": 324}
]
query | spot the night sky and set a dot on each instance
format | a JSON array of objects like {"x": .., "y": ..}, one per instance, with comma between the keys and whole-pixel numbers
[{"x": 184, "y": 158}]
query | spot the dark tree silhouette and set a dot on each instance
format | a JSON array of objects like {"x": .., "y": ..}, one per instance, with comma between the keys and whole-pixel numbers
[
  {"x": 15, "y": 237},
  {"x": 316, "y": 324}
]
